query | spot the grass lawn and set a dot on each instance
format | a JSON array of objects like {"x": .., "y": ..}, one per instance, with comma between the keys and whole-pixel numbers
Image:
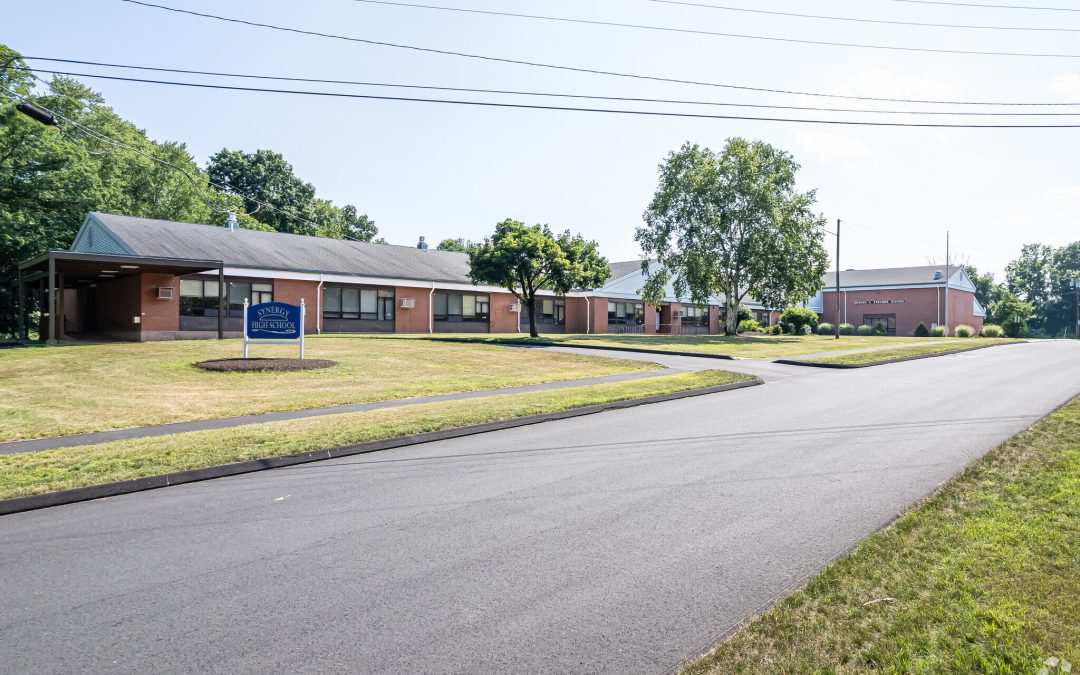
[
  {"x": 51, "y": 391},
  {"x": 741, "y": 346},
  {"x": 981, "y": 577},
  {"x": 886, "y": 355},
  {"x": 39, "y": 472}
]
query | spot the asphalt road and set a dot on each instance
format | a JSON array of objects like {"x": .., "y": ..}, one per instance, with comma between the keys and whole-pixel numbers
[{"x": 620, "y": 542}]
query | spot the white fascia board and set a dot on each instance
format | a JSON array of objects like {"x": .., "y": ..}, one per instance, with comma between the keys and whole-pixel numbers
[
  {"x": 890, "y": 287},
  {"x": 348, "y": 279}
]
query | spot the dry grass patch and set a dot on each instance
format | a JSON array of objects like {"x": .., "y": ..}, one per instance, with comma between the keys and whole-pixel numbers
[
  {"x": 39, "y": 472},
  {"x": 52, "y": 391}
]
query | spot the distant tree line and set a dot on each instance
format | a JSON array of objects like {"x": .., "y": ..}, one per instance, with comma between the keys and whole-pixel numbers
[{"x": 51, "y": 177}]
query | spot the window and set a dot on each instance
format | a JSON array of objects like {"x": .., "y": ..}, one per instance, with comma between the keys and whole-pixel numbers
[
  {"x": 626, "y": 313},
  {"x": 352, "y": 302},
  {"x": 550, "y": 311},
  {"x": 254, "y": 293},
  {"x": 198, "y": 297},
  {"x": 888, "y": 321},
  {"x": 453, "y": 306},
  {"x": 694, "y": 315}
]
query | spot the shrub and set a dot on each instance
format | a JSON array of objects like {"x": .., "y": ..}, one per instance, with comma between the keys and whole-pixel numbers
[
  {"x": 1016, "y": 330},
  {"x": 879, "y": 329},
  {"x": 847, "y": 329},
  {"x": 865, "y": 329},
  {"x": 744, "y": 313},
  {"x": 992, "y": 330},
  {"x": 788, "y": 328},
  {"x": 964, "y": 331},
  {"x": 805, "y": 330},
  {"x": 775, "y": 329},
  {"x": 799, "y": 317},
  {"x": 749, "y": 326},
  {"x": 921, "y": 330},
  {"x": 825, "y": 329},
  {"x": 937, "y": 331}
]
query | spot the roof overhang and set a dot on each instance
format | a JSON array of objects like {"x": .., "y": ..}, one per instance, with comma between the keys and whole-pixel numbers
[{"x": 84, "y": 268}]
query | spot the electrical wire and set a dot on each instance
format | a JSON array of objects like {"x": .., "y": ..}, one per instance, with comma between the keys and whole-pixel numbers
[
  {"x": 890, "y": 22},
  {"x": 633, "y": 99},
  {"x": 529, "y": 106},
  {"x": 119, "y": 144},
  {"x": 707, "y": 33},
  {"x": 981, "y": 5}
]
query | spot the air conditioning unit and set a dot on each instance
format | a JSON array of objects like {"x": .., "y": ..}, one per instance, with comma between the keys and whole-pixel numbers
[
  {"x": 515, "y": 307},
  {"x": 678, "y": 314},
  {"x": 408, "y": 303},
  {"x": 165, "y": 292}
]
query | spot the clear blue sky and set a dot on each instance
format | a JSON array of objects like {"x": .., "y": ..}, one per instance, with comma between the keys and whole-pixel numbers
[{"x": 444, "y": 171}]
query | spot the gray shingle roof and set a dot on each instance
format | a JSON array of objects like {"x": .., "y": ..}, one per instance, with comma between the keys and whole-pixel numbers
[
  {"x": 280, "y": 251},
  {"x": 892, "y": 276},
  {"x": 621, "y": 269}
]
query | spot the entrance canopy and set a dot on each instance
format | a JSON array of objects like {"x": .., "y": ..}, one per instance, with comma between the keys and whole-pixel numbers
[{"x": 54, "y": 271}]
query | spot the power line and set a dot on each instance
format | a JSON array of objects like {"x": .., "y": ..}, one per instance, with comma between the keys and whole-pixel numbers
[
  {"x": 989, "y": 6},
  {"x": 119, "y": 144},
  {"x": 708, "y": 33},
  {"x": 247, "y": 22},
  {"x": 890, "y": 22},
  {"x": 515, "y": 92},
  {"x": 527, "y": 106}
]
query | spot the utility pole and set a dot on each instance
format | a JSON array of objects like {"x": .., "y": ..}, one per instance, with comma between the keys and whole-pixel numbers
[
  {"x": 1076, "y": 292},
  {"x": 836, "y": 324},
  {"x": 947, "y": 275}
]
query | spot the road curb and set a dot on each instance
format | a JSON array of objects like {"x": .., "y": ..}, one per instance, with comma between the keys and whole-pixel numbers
[
  {"x": 635, "y": 350},
  {"x": 916, "y": 357},
  {"x": 34, "y": 502}
]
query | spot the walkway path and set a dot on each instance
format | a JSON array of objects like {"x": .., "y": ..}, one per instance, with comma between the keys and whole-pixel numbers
[{"x": 90, "y": 438}]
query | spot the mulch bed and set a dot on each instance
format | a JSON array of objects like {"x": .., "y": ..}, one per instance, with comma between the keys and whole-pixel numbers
[{"x": 257, "y": 365}]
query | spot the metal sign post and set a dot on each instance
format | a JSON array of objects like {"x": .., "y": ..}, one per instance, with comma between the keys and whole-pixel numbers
[{"x": 274, "y": 323}]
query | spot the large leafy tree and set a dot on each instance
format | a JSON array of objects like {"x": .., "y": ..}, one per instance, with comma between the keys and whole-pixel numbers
[
  {"x": 1041, "y": 277},
  {"x": 987, "y": 290},
  {"x": 1011, "y": 313},
  {"x": 733, "y": 224},
  {"x": 459, "y": 245},
  {"x": 527, "y": 259}
]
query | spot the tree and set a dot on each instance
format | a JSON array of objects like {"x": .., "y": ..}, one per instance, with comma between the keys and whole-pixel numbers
[
  {"x": 460, "y": 245},
  {"x": 987, "y": 290},
  {"x": 527, "y": 259},
  {"x": 1028, "y": 276},
  {"x": 1011, "y": 314},
  {"x": 732, "y": 224},
  {"x": 265, "y": 176}
]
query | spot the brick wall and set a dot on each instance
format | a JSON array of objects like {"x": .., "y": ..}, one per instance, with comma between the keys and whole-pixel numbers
[
  {"x": 116, "y": 303},
  {"x": 291, "y": 291},
  {"x": 413, "y": 320},
  {"x": 926, "y": 305},
  {"x": 714, "y": 320},
  {"x": 650, "y": 319},
  {"x": 502, "y": 320},
  {"x": 668, "y": 322},
  {"x": 158, "y": 315}
]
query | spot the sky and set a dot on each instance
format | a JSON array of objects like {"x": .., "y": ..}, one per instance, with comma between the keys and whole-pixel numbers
[{"x": 454, "y": 171}]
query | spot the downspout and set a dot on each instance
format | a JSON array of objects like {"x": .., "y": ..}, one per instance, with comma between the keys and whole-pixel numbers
[
  {"x": 588, "y": 313},
  {"x": 318, "y": 306},
  {"x": 845, "y": 306},
  {"x": 431, "y": 309}
]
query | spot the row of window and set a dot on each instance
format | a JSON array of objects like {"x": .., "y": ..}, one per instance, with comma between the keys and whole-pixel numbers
[
  {"x": 199, "y": 297},
  {"x": 694, "y": 315},
  {"x": 626, "y": 313},
  {"x": 552, "y": 312},
  {"x": 452, "y": 306},
  {"x": 358, "y": 303}
]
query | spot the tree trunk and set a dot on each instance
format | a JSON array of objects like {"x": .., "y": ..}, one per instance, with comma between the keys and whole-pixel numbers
[
  {"x": 731, "y": 316},
  {"x": 532, "y": 317}
]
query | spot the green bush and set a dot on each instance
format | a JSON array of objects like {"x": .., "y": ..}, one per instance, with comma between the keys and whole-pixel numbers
[
  {"x": 775, "y": 329},
  {"x": 788, "y": 328},
  {"x": 879, "y": 329},
  {"x": 921, "y": 330},
  {"x": 749, "y": 326},
  {"x": 799, "y": 317},
  {"x": 992, "y": 330},
  {"x": 825, "y": 329},
  {"x": 744, "y": 313},
  {"x": 865, "y": 329},
  {"x": 1016, "y": 330},
  {"x": 964, "y": 331},
  {"x": 847, "y": 329},
  {"x": 937, "y": 331}
]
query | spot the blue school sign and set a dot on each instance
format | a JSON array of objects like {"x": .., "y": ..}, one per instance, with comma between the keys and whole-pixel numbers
[{"x": 273, "y": 321}]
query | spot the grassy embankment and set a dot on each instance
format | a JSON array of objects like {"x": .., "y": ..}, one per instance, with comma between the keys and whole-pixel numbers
[
  {"x": 981, "y": 577},
  {"x": 52, "y": 391},
  {"x": 886, "y": 355},
  {"x": 39, "y": 472}
]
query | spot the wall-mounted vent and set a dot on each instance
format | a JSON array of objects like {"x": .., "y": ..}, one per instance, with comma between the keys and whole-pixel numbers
[
  {"x": 408, "y": 303},
  {"x": 678, "y": 314},
  {"x": 515, "y": 307},
  {"x": 165, "y": 292}
]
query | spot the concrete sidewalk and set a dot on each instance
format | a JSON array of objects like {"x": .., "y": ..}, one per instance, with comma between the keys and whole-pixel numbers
[{"x": 54, "y": 442}]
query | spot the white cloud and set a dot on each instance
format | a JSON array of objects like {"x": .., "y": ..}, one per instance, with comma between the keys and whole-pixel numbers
[
  {"x": 884, "y": 83},
  {"x": 1067, "y": 83},
  {"x": 830, "y": 147},
  {"x": 1064, "y": 193}
]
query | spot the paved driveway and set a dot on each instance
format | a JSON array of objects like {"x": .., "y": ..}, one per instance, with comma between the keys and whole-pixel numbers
[{"x": 619, "y": 542}]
